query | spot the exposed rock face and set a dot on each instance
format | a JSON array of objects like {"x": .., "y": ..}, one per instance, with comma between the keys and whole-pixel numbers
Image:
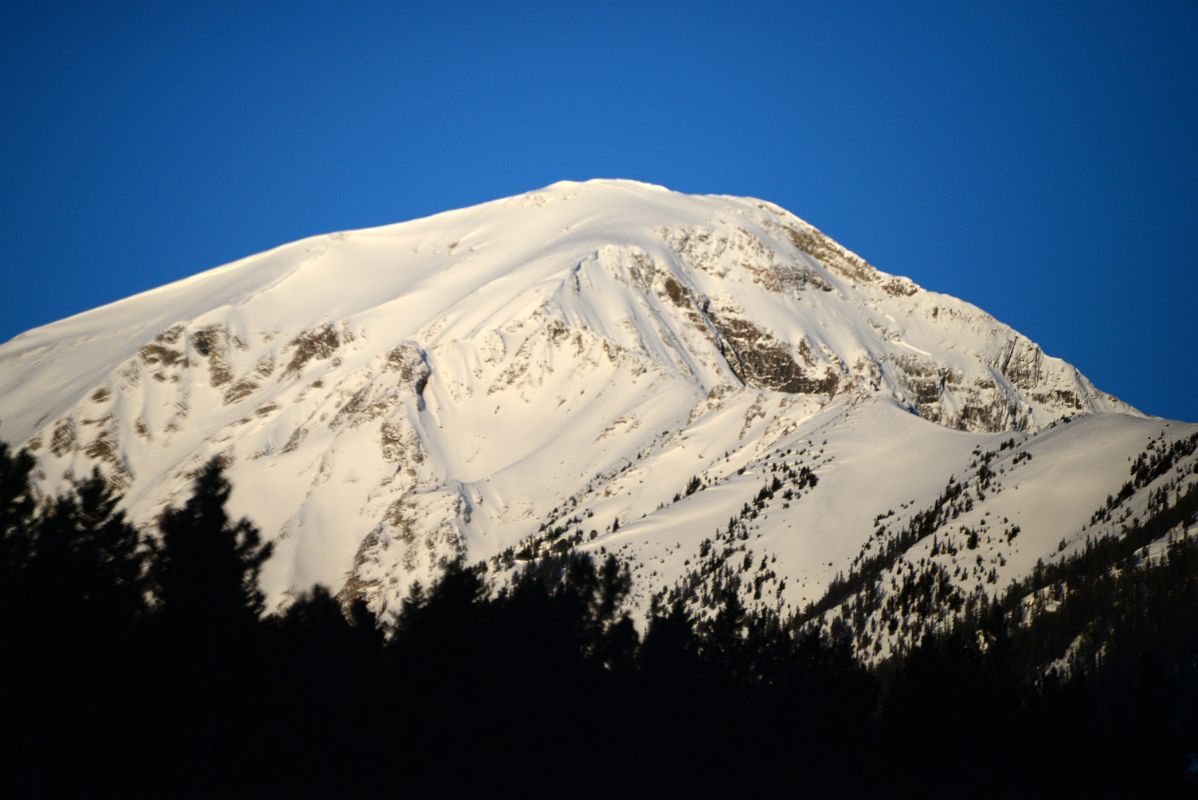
[
  {"x": 387, "y": 400},
  {"x": 831, "y": 255},
  {"x": 754, "y": 355},
  {"x": 315, "y": 344},
  {"x": 1020, "y": 363},
  {"x": 1008, "y": 380},
  {"x": 761, "y": 361}
]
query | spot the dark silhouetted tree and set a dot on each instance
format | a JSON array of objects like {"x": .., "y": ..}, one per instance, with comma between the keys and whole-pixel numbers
[
  {"x": 205, "y": 567},
  {"x": 208, "y": 650}
]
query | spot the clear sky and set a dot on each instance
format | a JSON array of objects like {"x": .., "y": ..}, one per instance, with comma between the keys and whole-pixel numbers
[{"x": 1037, "y": 159}]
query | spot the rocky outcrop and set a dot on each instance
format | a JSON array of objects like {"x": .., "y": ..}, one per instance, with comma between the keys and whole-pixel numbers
[
  {"x": 763, "y": 362},
  {"x": 311, "y": 345}
]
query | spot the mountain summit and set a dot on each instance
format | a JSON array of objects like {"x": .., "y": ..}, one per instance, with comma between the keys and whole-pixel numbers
[{"x": 606, "y": 365}]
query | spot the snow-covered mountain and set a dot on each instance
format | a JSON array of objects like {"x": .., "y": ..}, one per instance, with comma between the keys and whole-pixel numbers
[{"x": 703, "y": 385}]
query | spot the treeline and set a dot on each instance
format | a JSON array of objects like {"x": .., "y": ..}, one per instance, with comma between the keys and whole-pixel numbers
[
  {"x": 1089, "y": 683},
  {"x": 144, "y": 665}
]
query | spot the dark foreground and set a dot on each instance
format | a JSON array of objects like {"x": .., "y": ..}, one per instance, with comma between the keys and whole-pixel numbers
[{"x": 145, "y": 667}]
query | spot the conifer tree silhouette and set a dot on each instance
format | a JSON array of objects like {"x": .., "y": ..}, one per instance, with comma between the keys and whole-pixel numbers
[
  {"x": 208, "y": 640},
  {"x": 205, "y": 568},
  {"x": 16, "y": 511}
]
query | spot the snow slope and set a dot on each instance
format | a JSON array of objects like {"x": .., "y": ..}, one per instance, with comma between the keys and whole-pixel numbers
[{"x": 559, "y": 366}]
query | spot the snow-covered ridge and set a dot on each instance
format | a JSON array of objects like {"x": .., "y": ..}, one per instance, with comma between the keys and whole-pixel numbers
[{"x": 391, "y": 397}]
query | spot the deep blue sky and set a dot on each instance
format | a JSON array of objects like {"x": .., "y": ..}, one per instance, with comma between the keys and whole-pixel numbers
[{"x": 1036, "y": 159}]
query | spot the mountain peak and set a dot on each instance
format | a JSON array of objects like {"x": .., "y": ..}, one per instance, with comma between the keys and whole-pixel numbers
[
  {"x": 607, "y": 183},
  {"x": 459, "y": 380}
]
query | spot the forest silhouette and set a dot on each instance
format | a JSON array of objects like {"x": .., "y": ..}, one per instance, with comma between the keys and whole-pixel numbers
[{"x": 143, "y": 663}]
